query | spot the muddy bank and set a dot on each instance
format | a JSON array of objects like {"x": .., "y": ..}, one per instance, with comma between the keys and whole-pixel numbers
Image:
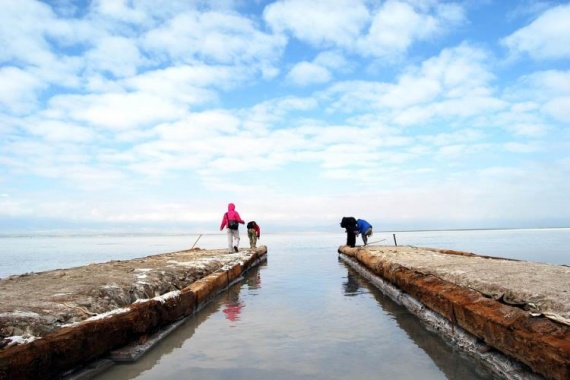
[
  {"x": 519, "y": 308},
  {"x": 51, "y": 322}
]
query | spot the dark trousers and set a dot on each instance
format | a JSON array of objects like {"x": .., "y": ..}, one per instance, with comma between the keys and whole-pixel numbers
[{"x": 350, "y": 238}]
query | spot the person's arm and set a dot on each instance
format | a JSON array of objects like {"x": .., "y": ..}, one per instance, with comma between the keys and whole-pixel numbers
[
  {"x": 238, "y": 218},
  {"x": 224, "y": 221},
  {"x": 258, "y": 230}
]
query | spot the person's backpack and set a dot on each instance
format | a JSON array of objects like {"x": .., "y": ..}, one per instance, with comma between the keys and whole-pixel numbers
[
  {"x": 232, "y": 224},
  {"x": 348, "y": 222}
]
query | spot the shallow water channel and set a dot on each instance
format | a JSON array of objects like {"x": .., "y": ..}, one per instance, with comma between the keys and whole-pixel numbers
[{"x": 303, "y": 314}]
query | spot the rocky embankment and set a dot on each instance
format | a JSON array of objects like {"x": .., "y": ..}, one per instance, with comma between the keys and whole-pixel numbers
[
  {"x": 520, "y": 308},
  {"x": 53, "y": 321}
]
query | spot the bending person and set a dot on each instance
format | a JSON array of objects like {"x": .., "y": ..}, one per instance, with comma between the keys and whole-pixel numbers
[
  {"x": 253, "y": 232},
  {"x": 365, "y": 229}
]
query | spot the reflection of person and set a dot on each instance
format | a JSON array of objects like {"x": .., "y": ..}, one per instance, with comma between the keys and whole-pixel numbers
[
  {"x": 254, "y": 280},
  {"x": 231, "y": 220},
  {"x": 233, "y": 305},
  {"x": 351, "y": 286},
  {"x": 349, "y": 224},
  {"x": 253, "y": 233},
  {"x": 232, "y": 309},
  {"x": 365, "y": 229}
]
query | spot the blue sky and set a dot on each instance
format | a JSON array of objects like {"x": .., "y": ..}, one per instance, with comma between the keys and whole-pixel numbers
[{"x": 128, "y": 115}]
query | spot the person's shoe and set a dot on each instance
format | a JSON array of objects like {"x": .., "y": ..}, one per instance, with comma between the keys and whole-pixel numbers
[{"x": 235, "y": 248}]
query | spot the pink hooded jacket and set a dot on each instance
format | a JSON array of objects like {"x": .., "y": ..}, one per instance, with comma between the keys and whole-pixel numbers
[{"x": 232, "y": 214}]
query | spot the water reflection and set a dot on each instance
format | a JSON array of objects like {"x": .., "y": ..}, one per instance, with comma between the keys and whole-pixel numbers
[
  {"x": 351, "y": 286},
  {"x": 445, "y": 357},
  {"x": 300, "y": 326},
  {"x": 230, "y": 304}
]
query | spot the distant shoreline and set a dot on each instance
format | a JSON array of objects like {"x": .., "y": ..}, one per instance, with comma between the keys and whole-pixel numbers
[{"x": 192, "y": 233}]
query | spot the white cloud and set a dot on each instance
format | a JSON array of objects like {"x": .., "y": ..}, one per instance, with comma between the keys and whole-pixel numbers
[
  {"x": 559, "y": 109},
  {"x": 527, "y": 129},
  {"x": 549, "y": 91},
  {"x": 274, "y": 112},
  {"x": 22, "y": 25},
  {"x": 173, "y": 109},
  {"x": 115, "y": 111},
  {"x": 62, "y": 159},
  {"x": 18, "y": 89},
  {"x": 456, "y": 83},
  {"x": 397, "y": 25},
  {"x": 23, "y": 87},
  {"x": 221, "y": 38},
  {"x": 393, "y": 29},
  {"x": 517, "y": 147},
  {"x": 462, "y": 71},
  {"x": 187, "y": 145},
  {"x": 307, "y": 73},
  {"x": 528, "y": 8},
  {"x": 122, "y": 10},
  {"x": 320, "y": 70},
  {"x": 350, "y": 96},
  {"x": 456, "y": 137},
  {"x": 547, "y": 37},
  {"x": 117, "y": 55},
  {"x": 333, "y": 60},
  {"x": 318, "y": 22},
  {"x": 554, "y": 81},
  {"x": 521, "y": 119},
  {"x": 192, "y": 84},
  {"x": 459, "y": 109},
  {"x": 30, "y": 33},
  {"x": 58, "y": 131},
  {"x": 199, "y": 127},
  {"x": 349, "y": 25}
]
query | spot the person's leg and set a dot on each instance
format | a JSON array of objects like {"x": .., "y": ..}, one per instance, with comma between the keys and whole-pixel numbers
[
  {"x": 251, "y": 235},
  {"x": 230, "y": 240},
  {"x": 350, "y": 238},
  {"x": 366, "y": 235},
  {"x": 236, "y": 239},
  {"x": 254, "y": 238}
]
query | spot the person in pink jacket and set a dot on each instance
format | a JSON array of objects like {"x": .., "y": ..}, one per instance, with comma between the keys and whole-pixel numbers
[{"x": 232, "y": 220}]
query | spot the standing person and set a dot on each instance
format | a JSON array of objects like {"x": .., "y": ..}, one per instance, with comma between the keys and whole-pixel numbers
[
  {"x": 349, "y": 224},
  {"x": 253, "y": 233},
  {"x": 365, "y": 229},
  {"x": 232, "y": 220}
]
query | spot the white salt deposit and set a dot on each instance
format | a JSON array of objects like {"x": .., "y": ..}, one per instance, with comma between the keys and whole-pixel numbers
[
  {"x": 21, "y": 314},
  {"x": 18, "y": 339}
]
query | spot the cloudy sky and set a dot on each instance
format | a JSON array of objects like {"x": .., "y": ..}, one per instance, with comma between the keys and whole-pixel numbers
[{"x": 412, "y": 114}]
